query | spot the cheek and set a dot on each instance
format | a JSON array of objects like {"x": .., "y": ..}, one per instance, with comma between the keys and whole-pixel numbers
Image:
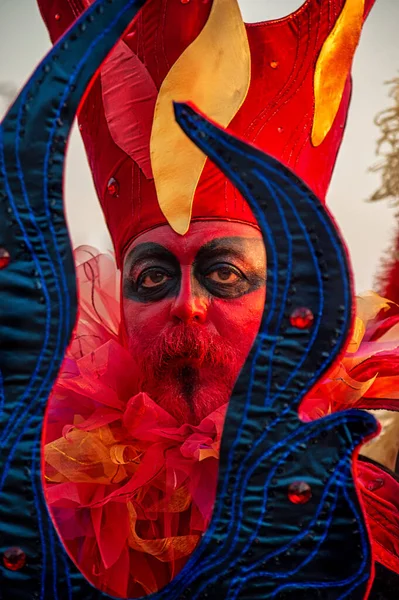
[
  {"x": 144, "y": 321},
  {"x": 238, "y": 320}
]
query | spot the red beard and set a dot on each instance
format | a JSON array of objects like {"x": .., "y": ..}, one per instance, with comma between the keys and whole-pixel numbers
[{"x": 187, "y": 370}]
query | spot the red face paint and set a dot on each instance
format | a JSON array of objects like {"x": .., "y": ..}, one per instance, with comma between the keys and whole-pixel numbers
[{"x": 192, "y": 307}]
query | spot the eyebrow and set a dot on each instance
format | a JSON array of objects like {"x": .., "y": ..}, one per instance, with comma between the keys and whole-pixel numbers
[
  {"x": 233, "y": 246},
  {"x": 148, "y": 250}
]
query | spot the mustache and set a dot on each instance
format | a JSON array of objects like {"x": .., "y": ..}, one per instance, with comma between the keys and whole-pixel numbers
[{"x": 189, "y": 343}]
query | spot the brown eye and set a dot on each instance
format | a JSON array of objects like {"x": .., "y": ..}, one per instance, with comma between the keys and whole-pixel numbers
[
  {"x": 153, "y": 279},
  {"x": 224, "y": 275}
]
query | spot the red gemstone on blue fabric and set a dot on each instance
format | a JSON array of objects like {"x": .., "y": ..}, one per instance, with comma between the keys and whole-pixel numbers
[
  {"x": 299, "y": 492},
  {"x": 113, "y": 187},
  {"x": 14, "y": 558},
  {"x": 4, "y": 258},
  {"x": 302, "y": 318}
]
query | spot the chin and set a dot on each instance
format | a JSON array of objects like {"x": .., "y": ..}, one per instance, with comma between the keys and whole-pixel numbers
[{"x": 189, "y": 393}]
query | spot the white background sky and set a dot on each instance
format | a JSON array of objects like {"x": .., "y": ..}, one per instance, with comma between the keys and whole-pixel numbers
[{"x": 367, "y": 228}]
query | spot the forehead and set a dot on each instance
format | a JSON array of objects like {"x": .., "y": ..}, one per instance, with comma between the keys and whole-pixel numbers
[{"x": 200, "y": 233}]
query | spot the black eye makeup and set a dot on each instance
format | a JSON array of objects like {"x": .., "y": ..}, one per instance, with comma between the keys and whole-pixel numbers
[
  {"x": 224, "y": 280},
  {"x": 153, "y": 273},
  {"x": 152, "y": 278},
  {"x": 230, "y": 267},
  {"x": 225, "y": 268}
]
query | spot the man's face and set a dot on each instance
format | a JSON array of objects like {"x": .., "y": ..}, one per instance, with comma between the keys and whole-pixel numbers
[{"x": 192, "y": 307}]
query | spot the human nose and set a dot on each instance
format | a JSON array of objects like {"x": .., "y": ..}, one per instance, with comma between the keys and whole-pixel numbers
[{"x": 190, "y": 305}]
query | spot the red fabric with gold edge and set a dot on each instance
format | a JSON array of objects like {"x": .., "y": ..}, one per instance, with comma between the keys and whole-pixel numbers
[{"x": 277, "y": 114}]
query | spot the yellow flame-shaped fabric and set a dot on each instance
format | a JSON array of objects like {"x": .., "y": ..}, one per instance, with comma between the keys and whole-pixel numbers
[
  {"x": 333, "y": 67},
  {"x": 214, "y": 73}
]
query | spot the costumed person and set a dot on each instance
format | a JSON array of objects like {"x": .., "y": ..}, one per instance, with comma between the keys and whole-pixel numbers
[{"x": 134, "y": 423}]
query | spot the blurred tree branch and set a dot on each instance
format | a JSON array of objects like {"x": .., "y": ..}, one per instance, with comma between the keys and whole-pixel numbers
[{"x": 388, "y": 148}]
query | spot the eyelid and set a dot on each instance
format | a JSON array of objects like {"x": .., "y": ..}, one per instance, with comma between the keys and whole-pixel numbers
[
  {"x": 149, "y": 270},
  {"x": 221, "y": 265},
  {"x": 141, "y": 266}
]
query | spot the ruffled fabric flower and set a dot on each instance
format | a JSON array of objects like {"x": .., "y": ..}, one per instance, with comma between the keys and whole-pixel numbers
[
  {"x": 367, "y": 376},
  {"x": 131, "y": 480}
]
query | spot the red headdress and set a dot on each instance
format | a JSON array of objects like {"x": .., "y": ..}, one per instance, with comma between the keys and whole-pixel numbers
[{"x": 283, "y": 85}]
